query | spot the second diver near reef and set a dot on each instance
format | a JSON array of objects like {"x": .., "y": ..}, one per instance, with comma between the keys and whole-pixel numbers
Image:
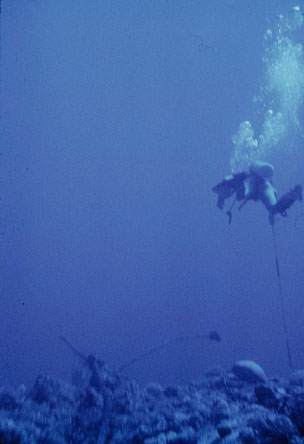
[{"x": 256, "y": 184}]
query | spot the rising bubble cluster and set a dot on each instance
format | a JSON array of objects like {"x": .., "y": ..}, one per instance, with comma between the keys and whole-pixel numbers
[{"x": 280, "y": 97}]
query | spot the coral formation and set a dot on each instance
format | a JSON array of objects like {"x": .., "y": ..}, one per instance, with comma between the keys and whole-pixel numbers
[{"x": 100, "y": 407}]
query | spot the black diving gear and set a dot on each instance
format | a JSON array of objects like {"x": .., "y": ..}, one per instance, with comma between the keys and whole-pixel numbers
[
  {"x": 287, "y": 200},
  {"x": 230, "y": 185},
  {"x": 256, "y": 185}
]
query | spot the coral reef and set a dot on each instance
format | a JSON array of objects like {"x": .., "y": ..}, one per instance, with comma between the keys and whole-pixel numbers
[{"x": 242, "y": 406}]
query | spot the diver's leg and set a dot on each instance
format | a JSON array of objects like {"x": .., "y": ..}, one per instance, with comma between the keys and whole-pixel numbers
[{"x": 268, "y": 195}]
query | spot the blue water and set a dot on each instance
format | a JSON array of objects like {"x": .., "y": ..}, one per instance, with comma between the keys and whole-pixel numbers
[{"x": 118, "y": 118}]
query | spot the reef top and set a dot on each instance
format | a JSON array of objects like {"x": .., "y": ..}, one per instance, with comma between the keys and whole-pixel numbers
[{"x": 237, "y": 406}]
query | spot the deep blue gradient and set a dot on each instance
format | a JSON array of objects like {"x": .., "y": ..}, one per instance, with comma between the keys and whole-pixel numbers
[{"x": 117, "y": 120}]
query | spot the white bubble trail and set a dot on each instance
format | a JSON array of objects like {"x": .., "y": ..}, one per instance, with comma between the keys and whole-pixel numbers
[{"x": 280, "y": 97}]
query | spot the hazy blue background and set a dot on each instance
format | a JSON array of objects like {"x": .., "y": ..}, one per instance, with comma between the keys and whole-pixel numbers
[{"x": 117, "y": 122}]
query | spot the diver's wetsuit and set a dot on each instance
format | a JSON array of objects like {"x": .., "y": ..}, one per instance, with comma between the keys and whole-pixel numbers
[
  {"x": 256, "y": 185},
  {"x": 258, "y": 188}
]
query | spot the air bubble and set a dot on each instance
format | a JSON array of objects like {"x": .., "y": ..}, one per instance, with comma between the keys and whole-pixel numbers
[{"x": 281, "y": 94}]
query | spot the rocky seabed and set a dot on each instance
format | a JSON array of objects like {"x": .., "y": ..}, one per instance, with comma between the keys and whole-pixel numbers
[{"x": 239, "y": 406}]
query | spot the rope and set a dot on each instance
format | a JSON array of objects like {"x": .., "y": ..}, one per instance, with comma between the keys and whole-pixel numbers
[
  {"x": 229, "y": 214},
  {"x": 213, "y": 336},
  {"x": 74, "y": 350},
  {"x": 281, "y": 297}
]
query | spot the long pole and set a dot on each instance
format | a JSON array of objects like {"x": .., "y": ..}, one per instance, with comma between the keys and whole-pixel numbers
[
  {"x": 281, "y": 297},
  {"x": 213, "y": 336}
]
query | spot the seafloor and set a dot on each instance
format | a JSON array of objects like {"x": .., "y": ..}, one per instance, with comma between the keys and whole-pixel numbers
[{"x": 237, "y": 406}]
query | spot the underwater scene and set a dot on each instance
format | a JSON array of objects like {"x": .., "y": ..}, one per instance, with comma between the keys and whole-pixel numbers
[{"x": 152, "y": 222}]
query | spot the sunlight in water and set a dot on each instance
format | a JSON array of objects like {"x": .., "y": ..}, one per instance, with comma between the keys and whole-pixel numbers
[{"x": 280, "y": 96}]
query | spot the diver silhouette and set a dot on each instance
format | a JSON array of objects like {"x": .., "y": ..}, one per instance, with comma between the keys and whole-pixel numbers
[{"x": 256, "y": 184}]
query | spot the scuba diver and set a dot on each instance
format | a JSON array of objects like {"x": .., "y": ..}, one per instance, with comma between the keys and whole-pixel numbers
[{"x": 256, "y": 184}]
